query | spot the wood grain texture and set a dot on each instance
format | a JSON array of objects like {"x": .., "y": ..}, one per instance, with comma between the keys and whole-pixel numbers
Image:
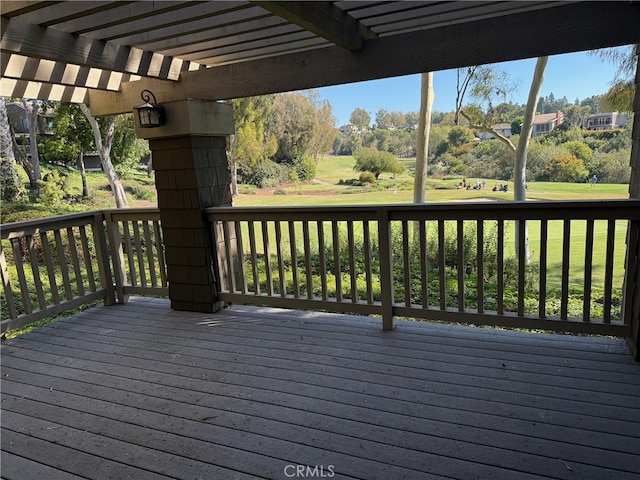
[{"x": 141, "y": 391}]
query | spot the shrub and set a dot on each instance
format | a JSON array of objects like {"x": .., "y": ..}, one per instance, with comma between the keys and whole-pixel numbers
[
  {"x": 565, "y": 168},
  {"x": 367, "y": 177}
]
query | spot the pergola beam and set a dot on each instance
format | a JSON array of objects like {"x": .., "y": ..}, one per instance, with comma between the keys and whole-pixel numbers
[
  {"x": 324, "y": 19},
  {"x": 556, "y": 30},
  {"x": 30, "y": 40}
]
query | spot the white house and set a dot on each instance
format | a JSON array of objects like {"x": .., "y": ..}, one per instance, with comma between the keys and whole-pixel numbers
[{"x": 606, "y": 121}]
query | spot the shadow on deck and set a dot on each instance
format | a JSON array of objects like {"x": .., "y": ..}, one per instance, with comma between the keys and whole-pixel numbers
[{"x": 141, "y": 391}]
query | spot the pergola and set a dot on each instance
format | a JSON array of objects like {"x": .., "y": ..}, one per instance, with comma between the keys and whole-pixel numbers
[{"x": 191, "y": 55}]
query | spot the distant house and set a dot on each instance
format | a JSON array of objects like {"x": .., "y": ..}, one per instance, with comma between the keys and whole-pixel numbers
[
  {"x": 606, "y": 121},
  {"x": 20, "y": 125},
  {"x": 542, "y": 124},
  {"x": 547, "y": 122}
]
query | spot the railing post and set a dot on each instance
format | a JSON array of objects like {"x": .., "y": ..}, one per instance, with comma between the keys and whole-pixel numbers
[
  {"x": 102, "y": 255},
  {"x": 117, "y": 255},
  {"x": 386, "y": 268},
  {"x": 631, "y": 299}
]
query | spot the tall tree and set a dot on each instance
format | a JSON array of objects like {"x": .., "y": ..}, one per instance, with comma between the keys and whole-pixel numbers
[
  {"x": 424, "y": 128},
  {"x": 103, "y": 145},
  {"x": 72, "y": 127},
  {"x": 10, "y": 185},
  {"x": 252, "y": 144},
  {"x": 361, "y": 119},
  {"x": 483, "y": 123},
  {"x": 31, "y": 111}
]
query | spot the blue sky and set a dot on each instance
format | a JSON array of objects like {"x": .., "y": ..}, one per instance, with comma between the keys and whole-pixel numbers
[{"x": 576, "y": 75}]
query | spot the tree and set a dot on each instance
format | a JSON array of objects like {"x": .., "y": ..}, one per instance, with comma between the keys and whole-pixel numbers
[
  {"x": 376, "y": 162},
  {"x": 73, "y": 138},
  {"x": 31, "y": 110},
  {"x": 11, "y": 188},
  {"x": 252, "y": 144},
  {"x": 103, "y": 143},
  {"x": 483, "y": 88},
  {"x": 424, "y": 129},
  {"x": 294, "y": 123},
  {"x": 361, "y": 119},
  {"x": 565, "y": 168},
  {"x": 620, "y": 95}
]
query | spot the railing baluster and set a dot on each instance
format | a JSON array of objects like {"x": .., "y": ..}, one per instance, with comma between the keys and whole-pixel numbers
[
  {"x": 461, "y": 267},
  {"x": 566, "y": 251},
  {"x": 294, "y": 259},
  {"x": 337, "y": 270},
  {"x": 128, "y": 247},
  {"x": 22, "y": 279},
  {"x": 48, "y": 260},
  {"x": 88, "y": 264},
  {"x": 228, "y": 253},
  {"x": 480, "y": 264},
  {"x": 521, "y": 229},
  {"x": 74, "y": 260},
  {"x": 424, "y": 276},
  {"x": 6, "y": 284},
  {"x": 137, "y": 244},
  {"x": 159, "y": 246},
  {"x": 35, "y": 270},
  {"x": 241, "y": 263},
  {"x": 608, "y": 270},
  {"x": 149, "y": 250},
  {"x": 500, "y": 269},
  {"x": 307, "y": 259},
  {"x": 267, "y": 257},
  {"x": 254, "y": 257},
  {"x": 281, "y": 270},
  {"x": 367, "y": 260},
  {"x": 323, "y": 261},
  {"x": 62, "y": 261},
  {"x": 352, "y": 262},
  {"x": 442, "y": 278},
  {"x": 588, "y": 272},
  {"x": 542, "y": 295},
  {"x": 406, "y": 263}
]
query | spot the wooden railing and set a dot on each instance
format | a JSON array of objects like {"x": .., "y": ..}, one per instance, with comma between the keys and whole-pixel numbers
[
  {"x": 52, "y": 265},
  {"x": 135, "y": 239},
  {"x": 452, "y": 262}
]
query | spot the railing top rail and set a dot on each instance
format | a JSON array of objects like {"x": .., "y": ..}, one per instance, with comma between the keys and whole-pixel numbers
[
  {"x": 532, "y": 209},
  {"x": 30, "y": 227},
  {"x": 119, "y": 214}
]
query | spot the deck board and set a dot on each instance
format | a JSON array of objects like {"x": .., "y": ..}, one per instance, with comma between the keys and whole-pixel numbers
[{"x": 141, "y": 391}]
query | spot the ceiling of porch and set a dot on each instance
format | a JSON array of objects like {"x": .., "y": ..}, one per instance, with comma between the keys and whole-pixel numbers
[{"x": 91, "y": 51}]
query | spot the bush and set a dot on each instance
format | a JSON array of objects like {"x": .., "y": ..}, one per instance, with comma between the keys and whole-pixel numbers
[
  {"x": 367, "y": 177},
  {"x": 565, "y": 168},
  {"x": 52, "y": 188},
  {"x": 376, "y": 162}
]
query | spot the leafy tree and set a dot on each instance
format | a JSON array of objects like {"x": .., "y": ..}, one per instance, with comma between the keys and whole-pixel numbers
[
  {"x": 565, "y": 168},
  {"x": 376, "y": 162},
  {"x": 579, "y": 150},
  {"x": 620, "y": 95},
  {"x": 73, "y": 137},
  {"x": 294, "y": 123},
  {"x": 103, "y": 133},
  {"x": 253, "y": 143},
  {"x": 32, "y": 110},
  {"x": 10, "y": 186},
  {"x": 361, "y": 119}
]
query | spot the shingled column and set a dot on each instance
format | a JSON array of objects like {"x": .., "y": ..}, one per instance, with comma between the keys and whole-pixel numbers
[{"x": 192, "y": 173}]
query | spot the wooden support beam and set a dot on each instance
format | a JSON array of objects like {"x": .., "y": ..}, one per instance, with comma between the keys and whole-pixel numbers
[
  {"x": 562, "y": 29},
  {"x": 45, "y": 43},
  {"x": 323, "y": 19}
]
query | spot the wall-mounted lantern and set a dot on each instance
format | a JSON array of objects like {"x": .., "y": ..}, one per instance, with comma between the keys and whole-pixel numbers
[{"x": 150, "y": 113}]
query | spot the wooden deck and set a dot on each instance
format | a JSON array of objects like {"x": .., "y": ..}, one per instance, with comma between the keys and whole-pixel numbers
[{"x": 139, "y": 391}]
